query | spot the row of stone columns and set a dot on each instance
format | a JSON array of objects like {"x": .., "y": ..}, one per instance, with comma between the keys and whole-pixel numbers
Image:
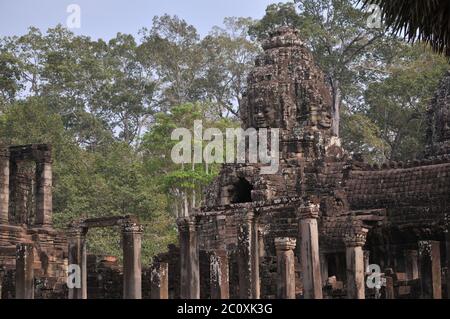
[
  {"x": 248, "y": 260},
  {"x": 426, "y": 261},
  {"x": 285, "y": 246},
  {"x": 132, "y": 268}
]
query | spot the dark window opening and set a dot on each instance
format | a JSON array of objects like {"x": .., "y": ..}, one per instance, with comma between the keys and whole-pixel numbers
[{"x": 242, "y": 192}]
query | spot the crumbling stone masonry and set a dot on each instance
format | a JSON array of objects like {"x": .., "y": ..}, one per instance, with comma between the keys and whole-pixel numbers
[
  {"x": 310, "y": 230},
  {"x": 33, "y": 255},
  {"x": 131, "y": 242},
  {"x": 344, "y": 213}
]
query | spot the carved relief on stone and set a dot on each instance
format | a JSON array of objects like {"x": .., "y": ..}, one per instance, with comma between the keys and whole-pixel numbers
[
  {"x": 285, "y": 243},
  {"x": 129, "y": 227},
  {"x": 425, "y": 248},
  {"x": 286, "y": 89},
  {"x": 355, "y": 237}
]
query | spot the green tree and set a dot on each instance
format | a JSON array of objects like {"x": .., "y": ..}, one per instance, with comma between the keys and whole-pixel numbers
[
  {"x": 172, "y": 50},
  {"x": 229, "y": 54},
  {"x": 397, "y": 104}
]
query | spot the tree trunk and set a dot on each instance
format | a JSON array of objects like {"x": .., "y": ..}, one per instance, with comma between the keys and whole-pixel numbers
[{"x": 336, "y": 107}]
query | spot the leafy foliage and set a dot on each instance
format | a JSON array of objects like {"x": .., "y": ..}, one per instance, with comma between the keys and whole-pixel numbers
[{"x": 109, "y": 108}]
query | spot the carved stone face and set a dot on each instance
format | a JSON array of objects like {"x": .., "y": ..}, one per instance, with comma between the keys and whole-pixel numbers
[
  {"x": 325, "y": 120},
  {"x": 265, "y": 116}
]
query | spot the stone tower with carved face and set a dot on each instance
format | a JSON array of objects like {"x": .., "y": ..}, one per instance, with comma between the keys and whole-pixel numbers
[{"x": 286, "y": 90}]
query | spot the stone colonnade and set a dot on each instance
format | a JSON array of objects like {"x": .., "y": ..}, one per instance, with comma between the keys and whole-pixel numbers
[
  {"x": 248, "y": 259},
  {"x": 132, "y": 268}
]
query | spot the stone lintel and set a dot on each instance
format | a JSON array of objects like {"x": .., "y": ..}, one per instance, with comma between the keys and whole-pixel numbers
[{"x": 132, "y": 228}]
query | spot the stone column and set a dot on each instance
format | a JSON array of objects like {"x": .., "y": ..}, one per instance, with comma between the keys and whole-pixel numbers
[
  {"x": 219, "y": 274},
  {"x": 24, "y": 271},
  {"x": 447, "y": 246},
  {"x": 76, "y": 237},
  {"x": 44, "y": 193},
  {"x": 159, "y": 277},
  {"x": 354, "y": 241},
  {"x": 430, "y": 269},
  {"x": 285, "y": 267},
  {"x": 189, "y": 259},
  {"x": 366, "y": 260},
  {"x": 4, "y": 185},
  {"x": 309, "y": 251},
  {"x": 2, "y": 274},
  {"x": 389, "y": 288},
  {"x": 411, "y": 264},
  {"x": 248, "y": 258},
  {"x": 132, "y": 267}
]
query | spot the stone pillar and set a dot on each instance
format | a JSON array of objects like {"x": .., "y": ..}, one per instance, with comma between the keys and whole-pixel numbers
[
  {"x": 366, "y": 260},
  {"x": 309, "y": 251},
  {"x": 447, "y": 246},
  {"x": 76, "y": 237},
  {"x": 132, "y": 267},
  {"x": 219, "y": 273},
  {"x": 189, "y": 259},
  {"x": 159, "y": 277},
  {"x": 411, "y": 264},
  {"x": 389, "y": 288},
  {"x": 2, "y": 274},
  {"x": 430, "y": 269},
  {"x": 4, "y": 185},
  {"x": 24, "y": 271},
  {"x": 354, "y": 241},
  {"x": 285, "y": 267},
  {"x": 44, "y": 193},
  {"x": 248, "y": 258}
]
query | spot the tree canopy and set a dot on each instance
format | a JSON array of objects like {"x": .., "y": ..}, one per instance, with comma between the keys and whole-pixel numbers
[{"x": 109, "y": 107}]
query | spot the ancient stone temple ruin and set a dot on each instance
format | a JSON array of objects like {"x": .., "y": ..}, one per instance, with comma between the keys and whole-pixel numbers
[
  {"x": 29, "y": 246},
  {"x": 325, "y": 225},
  {"x": 312, "y": 229}
]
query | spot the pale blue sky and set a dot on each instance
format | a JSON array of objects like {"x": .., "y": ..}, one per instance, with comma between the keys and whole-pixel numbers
[{"x": 104, "y": 18}]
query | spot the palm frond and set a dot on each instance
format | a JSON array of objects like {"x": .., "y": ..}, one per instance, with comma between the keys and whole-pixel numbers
[{"x": 418, "y": 20}]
